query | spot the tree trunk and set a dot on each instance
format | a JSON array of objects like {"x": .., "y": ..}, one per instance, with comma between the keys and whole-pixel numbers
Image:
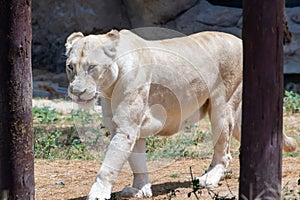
[
  {"x": 260, "y": 157},
  {"x": 16, "y": 132},
  {"x": 287, "y": 35}
]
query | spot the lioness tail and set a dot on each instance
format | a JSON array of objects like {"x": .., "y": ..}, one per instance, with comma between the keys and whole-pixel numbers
[{"x": 289, "y": 143}]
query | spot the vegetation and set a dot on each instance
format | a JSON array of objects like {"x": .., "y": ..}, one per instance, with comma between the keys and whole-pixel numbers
[
  {"x": 50, "y": 145},
  {"x": 197, "y": 190},
  {"x": 55, "y": 136},
  {"x": 81, "y": 135},
  {"x": 45, "y": 115},
  {"x": 180, "y": 145},
  {"x": 291, "y": 102}
]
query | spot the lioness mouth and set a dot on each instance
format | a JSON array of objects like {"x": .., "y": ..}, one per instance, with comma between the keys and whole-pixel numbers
[{"x": 82, "y": 101}]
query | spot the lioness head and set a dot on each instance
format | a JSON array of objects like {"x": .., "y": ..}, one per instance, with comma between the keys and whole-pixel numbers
[{"x": 90, "y": 65}]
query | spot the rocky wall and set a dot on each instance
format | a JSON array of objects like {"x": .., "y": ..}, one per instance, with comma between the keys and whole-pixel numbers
[{"x": 53, "y": 21}]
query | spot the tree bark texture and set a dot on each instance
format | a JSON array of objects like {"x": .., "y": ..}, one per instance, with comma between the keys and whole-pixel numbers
[
  {"x": 261, "y": 143},
  {"x": 287, "y": 35},
  {"x": 16, "y": 132}
]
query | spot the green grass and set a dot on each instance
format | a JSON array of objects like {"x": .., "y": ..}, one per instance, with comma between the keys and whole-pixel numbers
[
  {"x": 45, "y": 115},
  {"x": 291, "y": 102},
  {"x": 174, "y": 175},
  {"x": 57, "y": 136},
  {"x": 185, "y": 145},
  {"x": 81, "y": 135},
  {"x": 291, "y": 154},
  {"x": 51, "y": 145}
]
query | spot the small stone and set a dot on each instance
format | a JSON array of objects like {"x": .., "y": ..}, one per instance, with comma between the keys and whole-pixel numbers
[
  {"x": 59, "y": 183},
  {"x": 296, "y": 19}
]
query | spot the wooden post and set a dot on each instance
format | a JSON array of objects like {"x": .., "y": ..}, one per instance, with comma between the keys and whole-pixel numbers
[
  {"x": 16, "y": 132},
  {"x": 260, "y": 158},
  {"x": 287, "y": 35}
]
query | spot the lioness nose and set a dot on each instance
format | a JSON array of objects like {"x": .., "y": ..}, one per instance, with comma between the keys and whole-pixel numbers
[{"x": 77, "y": 91}]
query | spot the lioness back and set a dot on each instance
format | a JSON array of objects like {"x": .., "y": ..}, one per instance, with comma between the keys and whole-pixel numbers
[{"x": 188, "y": 74}]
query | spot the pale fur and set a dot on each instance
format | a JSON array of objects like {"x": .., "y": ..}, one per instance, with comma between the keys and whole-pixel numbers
[{"x": 157, "y": 87}]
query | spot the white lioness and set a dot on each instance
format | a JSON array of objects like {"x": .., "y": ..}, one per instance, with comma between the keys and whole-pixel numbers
[{"x": 157, "y": 87}]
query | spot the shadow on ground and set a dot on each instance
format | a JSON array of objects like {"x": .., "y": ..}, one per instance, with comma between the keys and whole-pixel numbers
[{"x": 158, "y": 189}]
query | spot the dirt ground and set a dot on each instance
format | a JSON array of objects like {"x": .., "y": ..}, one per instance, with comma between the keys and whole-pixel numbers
[
  {"x": 78, "y": 176},
  {"x": 72, "y": 179}
]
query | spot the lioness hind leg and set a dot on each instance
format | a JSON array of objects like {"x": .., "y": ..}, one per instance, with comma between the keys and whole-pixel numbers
[
  {"x": 141, "y": 184},
  {"x": 222, "y": 125}
]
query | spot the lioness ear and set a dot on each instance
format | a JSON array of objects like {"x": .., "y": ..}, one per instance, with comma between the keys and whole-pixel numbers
[
  {"x": 113, "y": 35},
  {"x": 110, "y": 49},
  {"x": 71, "y": 39}
]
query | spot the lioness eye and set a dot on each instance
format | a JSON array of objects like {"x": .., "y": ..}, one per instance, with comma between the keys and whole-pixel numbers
[
  {"x": 91, "y": 67},
  {"x": 70, "y": 68}
]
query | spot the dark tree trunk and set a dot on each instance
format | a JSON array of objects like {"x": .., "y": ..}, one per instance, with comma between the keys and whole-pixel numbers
[
  {"x": 287, "y": 35},
  {"x": 16, "y": 132},
  {"x": 260, "y": 158}
]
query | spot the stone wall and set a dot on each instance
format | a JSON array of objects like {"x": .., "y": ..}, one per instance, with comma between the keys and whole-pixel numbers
[{"x": 53, "y": 21}]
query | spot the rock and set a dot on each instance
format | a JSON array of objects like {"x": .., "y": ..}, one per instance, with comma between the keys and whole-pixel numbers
[
  {"x": 292, "y": 64},
  {"x": 209, "y": 14},
  {"x": 53, "y": 21},
  {"x": 240, "y": 23},
  {"x": 150, "y": 13},
  {"x": 294, "y": 47},
  {"x": 157, "y": 33},
  {"x": 293, "y": 18},
  {"x": 292, "y": 50},
  {"x": 40, "y": 93},
  {"x": 61, "y": 79},
  {"x": 48, "y": 89},
  {"x": 59, "y": 183},
  {"x": 292, "y": 56},
  {"x": 294, "y": 87},
  {"x": 44, "y": 75},
  {"x": 205, "y": 16}
]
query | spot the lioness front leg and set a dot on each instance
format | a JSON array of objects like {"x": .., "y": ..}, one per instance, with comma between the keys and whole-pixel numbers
[
  {"x": 141, "y": 184},
  {"x": 221, "y": 129},
  {"x": 117, "y": 154}
]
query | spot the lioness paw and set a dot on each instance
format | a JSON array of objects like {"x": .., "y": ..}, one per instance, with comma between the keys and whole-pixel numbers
[
  {"x": 145, "y": 191},
  {"x": 204, "y": 182},
  {"x": 99, "y": 192},
  {"x": 212, "y": 177}
]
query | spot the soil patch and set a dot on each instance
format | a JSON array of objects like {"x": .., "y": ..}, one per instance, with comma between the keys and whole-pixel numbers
[{"x": 72, "y": 180}]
